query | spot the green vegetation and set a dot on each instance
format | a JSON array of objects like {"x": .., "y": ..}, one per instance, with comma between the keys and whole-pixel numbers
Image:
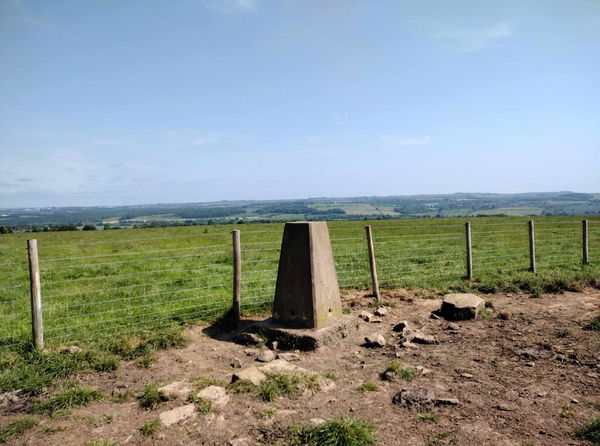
[
  {"x": 429, "y": 417},
  {"x": 202, "y": 404},
  {"x": 150, "y": 427},
  {"x": 33, "y": 371},
  {"x": 341, "y": 432},
  {"x": 126, "y": 294},
  {"x": 485, "y": 313},
  {"x": 590, "y": 431},
  {"x": 65, "y": 400},
  {"x": 241, "y": 386},
  {"x": 400, "y": 370},
  {"x": 368, "y": 386},
  {"x": 151, "y": 397},
  {"x": 568, "y": 411},
  {"x": 594, "y": 324},
  {"x": 16, "y": 428},
  {"x": 202, "y": 382},
  {"x": 280, "y": 384},
  {"x": 437, "y": 438}
]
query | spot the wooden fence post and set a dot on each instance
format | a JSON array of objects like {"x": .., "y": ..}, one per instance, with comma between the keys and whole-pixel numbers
[
  {"x": 469, "y": 251},
  {"x": 373, "y": 265},
  {"x": 584, "y": 242},
  {"x": 37, "y": 325},
  {"x": 237, "y": 275},
  {"x": 531, "y": 247}
]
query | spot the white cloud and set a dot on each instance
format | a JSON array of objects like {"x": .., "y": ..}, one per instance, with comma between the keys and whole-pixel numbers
[
  {"x": 230, "y": 6},
  {"x": 402, "y": 141},
  {"x": 473, "y": 39}
]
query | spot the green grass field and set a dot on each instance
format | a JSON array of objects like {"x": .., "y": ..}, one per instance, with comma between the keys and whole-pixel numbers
[{"x": 100, "y": 284}]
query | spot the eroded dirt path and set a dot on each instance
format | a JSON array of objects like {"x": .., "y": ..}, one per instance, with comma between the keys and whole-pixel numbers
[{"x": 529, "y": 379}]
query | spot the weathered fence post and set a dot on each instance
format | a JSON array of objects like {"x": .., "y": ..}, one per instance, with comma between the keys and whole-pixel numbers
[
  {"x": 531, "y": 247},
  {"x": 373, "y": 265},
  {"x": 469, "y": 251},
  {"x": 584, "y": 242},
  {"x": 37, "y": 325},
  {"x": 237, "y": 275}
]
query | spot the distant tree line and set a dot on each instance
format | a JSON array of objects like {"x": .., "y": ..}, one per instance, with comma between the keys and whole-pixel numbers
[{"x": 297, "y": 208}]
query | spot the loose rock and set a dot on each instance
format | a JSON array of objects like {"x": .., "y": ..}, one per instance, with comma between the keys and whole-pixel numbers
[
  {"x": 288, "y": 356},
  {"x": 236, "y": 363},
  {"x": 365, "y": 316},
  {"x": 420, "y": 396},
  {"x": 216, "y": 395},
  {"x": 420, "y": 338},
  {"x": 464, "y": 306},
  {"x": 266, "y": 356},
  {"x": 381, "y": 311},
  {"x": 375, "y": 340},
  {"x": 177, "y": 415},
  {"x": 400, "y": 326},
  {"x": 447, "y": 402},
  {"x": 176, "y": 390}
]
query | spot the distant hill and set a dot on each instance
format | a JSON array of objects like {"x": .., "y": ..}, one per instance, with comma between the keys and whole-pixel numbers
[{"x": 407, "y": 206}]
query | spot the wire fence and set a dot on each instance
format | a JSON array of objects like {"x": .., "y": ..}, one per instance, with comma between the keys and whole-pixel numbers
[{"x": 107, "y": 283}]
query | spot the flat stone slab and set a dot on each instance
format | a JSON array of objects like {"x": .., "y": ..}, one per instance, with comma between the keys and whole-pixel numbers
[
  {"x": 177, "y": 415},
  {"x": 306, "y": 339},
  {"x": 216, "y": 395},
  {"x": 258, "y": 374},
  {"x": 176, "y": 390},
  {"x": 460, "y": 307}
]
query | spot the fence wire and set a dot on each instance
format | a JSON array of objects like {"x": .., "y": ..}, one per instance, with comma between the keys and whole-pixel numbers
[{"x": 112, "y": 282}]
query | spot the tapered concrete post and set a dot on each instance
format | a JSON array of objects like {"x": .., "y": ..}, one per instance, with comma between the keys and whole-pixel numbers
[
  {"x": 469, "y": 251},
  {"x": 237, "y": 275},
  {"x": 372, "y": 263},
  {"x": 531, "y": 247},
  {"x": 37, "y": 325},
  {"x": 584, "y": 242},
  {"x": 307, "y": 294}
]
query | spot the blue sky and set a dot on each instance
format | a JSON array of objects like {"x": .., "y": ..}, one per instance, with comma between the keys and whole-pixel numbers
[{"x": 143, "y": 101}]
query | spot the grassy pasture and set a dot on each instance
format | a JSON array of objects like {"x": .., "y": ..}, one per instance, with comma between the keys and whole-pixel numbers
[{"x": 100, "y": 284}]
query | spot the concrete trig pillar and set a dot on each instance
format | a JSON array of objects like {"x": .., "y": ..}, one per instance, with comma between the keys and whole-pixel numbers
[{"x": 307, "y": 293}]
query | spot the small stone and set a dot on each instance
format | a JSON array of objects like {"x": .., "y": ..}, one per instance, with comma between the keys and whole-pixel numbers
[
  {"x": 575, "y": 401},
  {"x": 216, "y": 395},
  {"x": 70, "y": 349},
  {"x": 288, "y": 356},
  {"x": 238, "y": 442},
  {"x": 266, "y": 356},
  {"x": 529, "y": 353},
  {"x": 272, "y": 345},
  {"x": 452, "y": 326},
  {"x": 251, "y": 352},
  {"x": 420, "y": 338},
  {"x": 389, "y": 376},
  {"x": 447, "y": 402},
  {"x": 176, "y": 390},
  {"x": 375, "y": 320},
  {"x": 466, "y": 375},
  {"x": 505, "y": 315},
  {"x": 400, "y": 326},
  {"x": 530, "y": 364},
  {"x": 423, "y": 371},
  {"x": 414, "y": 397},
  {"x": 463, "y": 306},
  {"x": 365, "y": 316},
  {"x": 375, "y": 340},
  {"x": 504, "y": 407},
  {"x": 248, "y": 339},
  {"x": 542, "y": 394},
  {"x": 251, "y": 374},
  {"x": 381, "y": 311},
  {"x": 316, "y": 421},
  {"x": 433, "y": 315},
  {"x": 178, "y": 414}
]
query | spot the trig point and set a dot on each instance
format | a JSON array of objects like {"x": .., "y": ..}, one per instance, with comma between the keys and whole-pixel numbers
[
  {"x": 307, "y": 293},
  {"x": 307, "y": 311}
]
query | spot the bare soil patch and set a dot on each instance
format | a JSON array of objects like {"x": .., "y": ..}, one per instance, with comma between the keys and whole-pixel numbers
[{"x": 527, "y": 374}]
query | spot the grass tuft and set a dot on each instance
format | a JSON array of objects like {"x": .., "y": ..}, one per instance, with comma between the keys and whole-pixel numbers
[
  {"x": 594, "y": 324},
  {"x": 590, "y": 431},
  {"x": 202, "y": 382},
  {"x": 16, "y": 428},
  {"x": 280, "y": 384},
  {"x": 65, "y": 400},
  {"x": 400, "y": 370},
  {"x": 341, "y": 432},
  {"x": 428, "y": 417},
  {"x": 368, "y": 386},
  {"x": 150, "y": 427},
  {"x": 242, "y": 386},
  {"x": 151, "y": 397}
]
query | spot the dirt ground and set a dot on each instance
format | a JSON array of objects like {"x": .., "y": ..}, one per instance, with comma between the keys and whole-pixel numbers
[{"x": 528, "y": 377}]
